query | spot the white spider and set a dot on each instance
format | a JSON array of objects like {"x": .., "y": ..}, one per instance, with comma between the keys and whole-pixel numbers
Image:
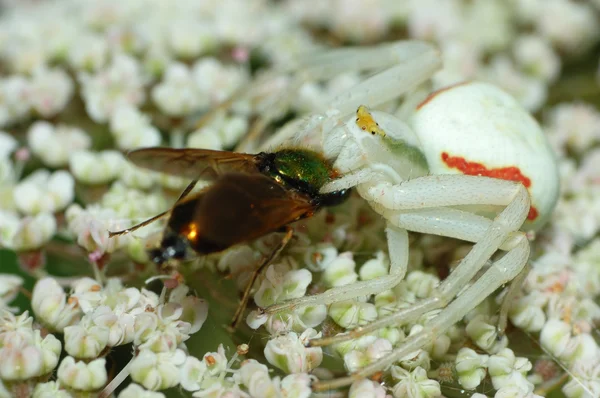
[{"x": 431, "y": 174}]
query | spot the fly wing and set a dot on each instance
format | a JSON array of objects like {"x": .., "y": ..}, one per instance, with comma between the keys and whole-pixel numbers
[
  {"x": 238, "y": 208},
  {"x": 193, "y": 163}
]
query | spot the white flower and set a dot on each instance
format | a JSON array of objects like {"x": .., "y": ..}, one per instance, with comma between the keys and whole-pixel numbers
[
  {"x": 516, "y": 392},
  {"x": 422, "y": 284},
  {"x": 366, "y": 389},
  {"x": 555, "y": 336},
  {"x": 471, "y": 368},
  {"x": 96, "y": 167},
  {"x": 43, "y": 191},
  {"x": 280, "y": 287},
  {"x": 91, "y": 226},
  {"x": 217, "y": 81},
  {"x": 496, "y": 17},
  {"x": 20, "y": 362},
  {"x": 485, "y": 334},
  {"x": 131, "y": 203},
  {"x": 461, "y": 61},
  {"x": 255, "y": 376},
  {"x": 119, "y": 325},
  {"x": 189, "y": 38},
  {"x": 432, "y": 20},
  {"x": 26, "y": 233},
  {"x": 88, "y": 52},
  {"x": 350, "y": 314},
  {"x": 157, "y": 371},
  {"x": 8, "y": 178},
  {"x": 527, "y": 312},
  {"x": 576, "y": 125},
  {"x": 9, "y": 288},
  {"x": 14, "y": 99},
  {"x": 317, "y": 257},
  {"x": 50, "y": 305},
  {"x": 120, "y": 84},
  {"x": 375, "y": 267},
  {"x": 414, "y": 384},
  {"x": 7, "y": 144},
  {"x": 162, "y": 330},
  {"x": 359, "y": 20},
  {"x": 176, "y": 94},
  {"x": 357, "y": 359},
  {"x": 507, "y": 370},
  {"x": 54, "y": 144},
  {"x": 536, "y": 57},
  {"x": 340, "y": 271},
  {"x": 21, "y": 324},
  {"x": 136, "y": 391},
  {"x": 51, "y": 90},
  {"x": 531, "y": 92},
  {"x": 571, "y": 26},
  {"x": 50, "y": 389},
  {"x": 86, "y": 339},
  {"x": 132, "y": 129},
  {"x": 82, "y": 376},
  {"x": 24, "y": 354},
  {"x": 585, "y": 381},
  {"x": 193, "y": 372},
  {"x": 137, "y": 177},
  {"x": 111, "y": 308},
  {"x": 222, "y": 133},
  {"x": 289, "y": 354},
  {"x": 296, "y": 385},
  {"x": 195, "y": 310}
]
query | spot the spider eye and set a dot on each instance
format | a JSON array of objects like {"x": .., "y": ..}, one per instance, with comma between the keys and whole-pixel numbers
[{"x": 373, "y": 132}]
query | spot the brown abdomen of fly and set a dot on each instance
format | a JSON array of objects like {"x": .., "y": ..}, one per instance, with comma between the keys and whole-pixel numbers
[{"x": 236, "y": 208}]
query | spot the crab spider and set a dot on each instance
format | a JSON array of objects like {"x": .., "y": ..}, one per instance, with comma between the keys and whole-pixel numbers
[{"x": 469, "y": 163}]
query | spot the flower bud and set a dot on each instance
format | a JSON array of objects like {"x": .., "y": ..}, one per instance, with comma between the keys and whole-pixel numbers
[
  {"x": 43, "y": 191},
  {"x": 86, "y": 340},
  {"x": 82, "y": 376},
  {"x": 350, "y": 314},
  {"x": 471, "y": 368},
  {"x": 289, "y": 354},
  {"x": 366, "y": 389},
  {"x": 157, "y": 371},
  {"x": 340, "y": 271}
]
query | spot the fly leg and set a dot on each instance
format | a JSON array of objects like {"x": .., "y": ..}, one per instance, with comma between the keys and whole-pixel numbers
[
  {"x": 267, "y": 260},
  {"x": 185, "y": 192}
]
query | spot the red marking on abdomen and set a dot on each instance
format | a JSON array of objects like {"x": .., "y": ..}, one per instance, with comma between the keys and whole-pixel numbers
[
  {"x": 435, "y": 93},
  {"x": 510, "y": 173}
]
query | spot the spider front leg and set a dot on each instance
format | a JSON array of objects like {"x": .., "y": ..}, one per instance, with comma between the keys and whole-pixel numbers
[
  {"x": 501, "y": 272},
  {"x": 505, "y": 225},
  {"x": 401, "y": 203},
  {"x": 439, "y": 221},
  {"x": 398, "y": 248}
]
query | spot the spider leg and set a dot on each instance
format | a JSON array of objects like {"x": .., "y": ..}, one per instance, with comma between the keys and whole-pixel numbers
[
  {"x": 267, "y": 260},
  {"x": 431, "y": 225},
  {"x": 398, "y": 246},
  {"x": 414, "y": 195},
  {"x": 502, "y": 271}
]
